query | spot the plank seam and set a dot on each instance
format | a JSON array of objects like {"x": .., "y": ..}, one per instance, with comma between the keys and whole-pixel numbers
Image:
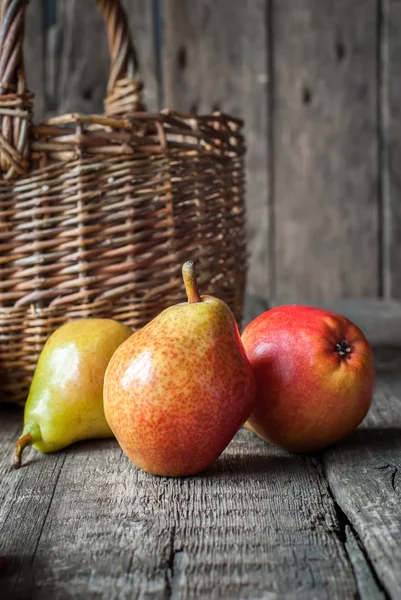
[
  {"x": 344, "y": 522},
  {"x": 44, "y": 520},
  {"x": 11, "y": 504},
  {"x": 271, "y": 242},
  {"x": 49, "y": 505},
  {"x": 383, "y": 232},
  {"x": 171, "y": 573},
  {"x": 158, "y": 44}
]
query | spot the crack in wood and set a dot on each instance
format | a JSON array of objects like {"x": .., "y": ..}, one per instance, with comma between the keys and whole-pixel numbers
[
  {"x": 393, "y": 470},
  {"x": 49, "y": 505},
  {"x": 368, "y": 589},
  {"x": 349, "y": 532},
  {"x": 351, "y": 541},
  {"x": 393, "y": 476},
  {"x": 356, "y": 553},
  {"x": 11, "y": 508},
  {"x": 21, "y": 572},
  {"x": 20, "y": 566},
  {"x": 340, "y": 50},
  {"x": 171, "y": 570}
]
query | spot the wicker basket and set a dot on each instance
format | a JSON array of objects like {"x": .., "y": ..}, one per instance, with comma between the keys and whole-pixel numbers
[{"x": 98, "y": 213}]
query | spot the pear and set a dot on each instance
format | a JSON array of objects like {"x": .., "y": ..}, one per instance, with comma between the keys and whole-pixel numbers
[
  {"x": 65, "y": 401},
  {"x": 177, "y": 391}
]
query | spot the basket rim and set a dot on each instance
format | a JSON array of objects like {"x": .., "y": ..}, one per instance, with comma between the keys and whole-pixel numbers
[{"x": 75, "y": 136}]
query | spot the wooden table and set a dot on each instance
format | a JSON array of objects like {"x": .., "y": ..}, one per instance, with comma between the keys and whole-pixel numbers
[{"x": 259, "y": 524}]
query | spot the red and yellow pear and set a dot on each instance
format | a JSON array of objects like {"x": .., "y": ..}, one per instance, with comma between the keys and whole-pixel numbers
[{"x": 177, "y": 391}]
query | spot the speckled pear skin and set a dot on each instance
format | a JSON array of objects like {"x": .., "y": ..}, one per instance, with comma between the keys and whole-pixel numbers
[
  {"x": 65, "y": 401},
  {"x": 178, "y": 390}
]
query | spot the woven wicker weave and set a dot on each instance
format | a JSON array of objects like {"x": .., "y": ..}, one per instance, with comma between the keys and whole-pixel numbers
[{"x": 98, "y": 213}]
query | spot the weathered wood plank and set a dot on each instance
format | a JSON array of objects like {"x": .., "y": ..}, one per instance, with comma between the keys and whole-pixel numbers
[
  {"x": 34, "y": 55},
  {"x": 325, "y": 149},
  {"x": 363, "y": 473},
  {"x": 367, "y": 586},
  {"x": 144, "y": 27},
  {"x": 259, "y": 524},
  {"x": 71, "y": 75},
  {"x": 216, "y": 58},
  {"x": 76, "y": 58},
  {"x": 24, "y": 505},
  {"x": 391, "y": 146}
]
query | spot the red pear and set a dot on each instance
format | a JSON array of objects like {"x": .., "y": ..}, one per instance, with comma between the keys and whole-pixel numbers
[
  {"x": 314, "y": 376},
  {"x": 177, "y": 391}
]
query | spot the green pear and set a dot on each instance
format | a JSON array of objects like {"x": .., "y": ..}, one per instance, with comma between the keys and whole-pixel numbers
[{"x": 65, "y": 401}]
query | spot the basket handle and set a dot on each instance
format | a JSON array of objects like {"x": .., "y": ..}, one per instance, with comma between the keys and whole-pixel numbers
[
  {"x": 124, "y": 86},
  {"x": 16, "y": 102}
]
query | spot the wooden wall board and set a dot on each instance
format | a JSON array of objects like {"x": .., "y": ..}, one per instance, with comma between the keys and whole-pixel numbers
[
  {"x": 216, "y": 57},
  {"x": 318, "y": 87},
  {"x": 390, "y": 89},
  {"x": 326, "y": 216},
  {"x": 34, "y": 44},
  {"x": 67, "y": 58}
]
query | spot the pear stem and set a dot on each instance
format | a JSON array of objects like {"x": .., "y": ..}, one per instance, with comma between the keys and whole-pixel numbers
[
  {"x": 22, "y": 442},
  {"x": 191, "y": 286}
]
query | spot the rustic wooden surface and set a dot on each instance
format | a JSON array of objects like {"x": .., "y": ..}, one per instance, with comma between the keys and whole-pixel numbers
[
  {"x": 319, "y": 90},
  {"x": 325, "y": 149},
  {"x": 260, "y": 523},
  {"x": 207, "y": 50},
  {"x": 363, "y": 476},
  {"x": 390, "y": 111},
  {"x": 34, "y": 55},
  {"x": 67, "y": 58}
]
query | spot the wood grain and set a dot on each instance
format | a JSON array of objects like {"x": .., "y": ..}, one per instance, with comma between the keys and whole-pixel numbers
[
  {"x": 364, "y": 476},
  {"x": 76, "y": 59},
  {"x": 34, "y": 53},
  {"x": 28, "y": 498},
  {"x": 216, "y": 58},
  {"x": 391, "y": 146},
  {"x": 144, "y": 25},
  {"x": 67, "y": 57},
  {"x": 368, "y": 587},
  {"x": 259, "y": 523},
  {"x": 318, "y": 88},
  {"x": 86, "y": 523},
  {"x": 325, "y": 149}
]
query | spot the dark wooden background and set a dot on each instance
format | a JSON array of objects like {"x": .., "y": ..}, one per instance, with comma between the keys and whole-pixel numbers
[{"x": 319, "y": 86}]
